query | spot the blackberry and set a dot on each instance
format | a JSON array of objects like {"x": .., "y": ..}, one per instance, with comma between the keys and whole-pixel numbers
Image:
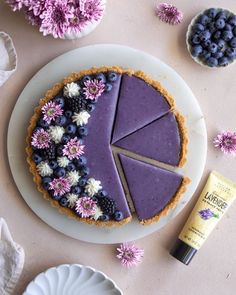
[
  {"x": 76, "y": 104},
  {"x": 107, "y": 205},
  {"x": 50, "y": 152}
]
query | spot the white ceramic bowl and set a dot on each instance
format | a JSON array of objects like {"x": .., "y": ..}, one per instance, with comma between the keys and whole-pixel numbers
[{"x": 72, "y": 279}]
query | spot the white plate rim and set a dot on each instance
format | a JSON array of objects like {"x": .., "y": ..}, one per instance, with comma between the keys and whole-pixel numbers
[{"x": 125, "y": 56}]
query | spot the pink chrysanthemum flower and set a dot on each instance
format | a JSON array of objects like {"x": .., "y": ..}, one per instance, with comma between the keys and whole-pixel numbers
[
  {"x": 41, "y": 139},
  {"x": 93, "y": 89},
  {"x": 130, "y": 254},
  {"x": 169, "y": 13},
  {"x": 73, "y": 149},
  {"x": 51, "y": 111},
  {"x": 226, "y": 141},
  {"x": 36, "y": 6},
  {"x": 56, "y": 18},
  {"x": 60, "y": 186},
  {"x": 16, "y": 4},
  {"x": 78, "y": 21},
  {"x": 86, "y": 207},
  {"x": 92, "y": 9}
]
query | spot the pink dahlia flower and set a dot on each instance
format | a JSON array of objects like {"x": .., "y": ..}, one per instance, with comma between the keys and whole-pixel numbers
[
  {"x": 169, "y": 13},
  {"x": 86, "y": 207},
  {"x": 51, "y": 111},
  {"x": 40, "y": 139},
  {"x": 93, "y": 89},
  {"x": 56, "y": 18},
  {"x": 130, "y": 254},
  {"x": 226, "y": 142},
  {"x": 60, "y": 186},
  {"x": 73, "y": 149}
]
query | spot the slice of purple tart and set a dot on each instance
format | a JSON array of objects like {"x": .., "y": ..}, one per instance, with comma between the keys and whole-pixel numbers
[
  {"x": 139, "y": 104},
  {"x": 153, "y": 190},
  {"x": 163, "y": 140}
]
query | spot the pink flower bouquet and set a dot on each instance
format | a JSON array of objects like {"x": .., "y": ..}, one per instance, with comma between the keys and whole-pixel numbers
[{"x": 66, "y": 19}]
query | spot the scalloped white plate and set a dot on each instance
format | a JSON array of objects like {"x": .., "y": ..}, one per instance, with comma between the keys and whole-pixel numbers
[
  {"x": 84, "y": 58},
  {"x": 72, "y": 279}
]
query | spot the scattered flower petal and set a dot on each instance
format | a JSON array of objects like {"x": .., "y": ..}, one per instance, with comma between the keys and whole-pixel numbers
[
  {"x": 130, "y": 254},
  {"x": 226, "y": 142},
  {"x": 169, "y": 13}
]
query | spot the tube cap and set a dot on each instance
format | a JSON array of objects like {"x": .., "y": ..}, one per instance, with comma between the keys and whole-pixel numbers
[{"x": 183, "y": 252}]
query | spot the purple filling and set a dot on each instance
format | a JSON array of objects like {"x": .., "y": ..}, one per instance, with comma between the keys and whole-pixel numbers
[
  {"x": 139, "y": 104},
  {"x": 160, "y": 140},
  {"x": 151, "y": 188}
]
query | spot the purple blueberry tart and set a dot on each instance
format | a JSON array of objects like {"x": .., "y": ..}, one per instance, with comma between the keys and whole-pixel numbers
[{"x": 71, "y": 139}]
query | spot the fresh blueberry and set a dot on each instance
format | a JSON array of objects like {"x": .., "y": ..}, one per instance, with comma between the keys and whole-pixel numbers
[
  {"x": 205, "y": 35},
  {"x": 218, "y": 54},
  {"x": 86, "y": 78},
  {"x": 211, "y": 27},
  {"x": 81, "y": 161},
  {"x": 61, "y": 120},
  {"x": 102, "y": 193},
  {"x": 203, "y": 19},
  {"x": 76, "y": 190},
  {"x": 196, "y": 50},
  {"x": 68, "y": 114},
  {"x": 233, "y": 42},
  {"x": 232, "y": 20},
  {"x": 60, "y": 101},
  {"x": 60, "y": 172},
  {"x": 53, "y": 164},
  {"x": 223, "y": 61},
  {"x": 108, "y": 87},
  {"x": 220, "y": 43},
  {"x": 213, "y": 48},
  {"x": 95, "y": 199},
  {"x": 118, "y": 216},
  {"x": 211, "y": 12},
  {"x": 90, "y": 107},
  {"x": 104, "y": 217},
  {"x": 36, "y": 158},
  {"x": 84, "y": 171},
  {"x": 71, "y": 129},
  {"x": 234, "y": 31},
  {"x": 228, "y": 27},
  {"x": 83, "y": 131},
  {"x": 230, "y": 52},
  {"x": 205, "y": 55},
  {"x": 217, "y": 35},
  {"x": 220, "y": 23},
  {"x": 46, "y": 182},
  {"x": 42, "y": 123},
  {"x": 55, "y": 197},
  {"x": 212, "y": 62},
  {"x": 227, "y": 35},
  {"x": 60, "y": 150},
  {"x": 221, "y": 14},
  {"x": 206, "y": 43},
  {"x": 112, "y": 77},
  {"x": 196, "y": 39},
  {"x": 101, "y": 77},
  {"x": 70, "y": 167},
  {"x": 65, "y": 138},
  {"x": 63, "y": 202},
  {"x": 82, "y": 181}
]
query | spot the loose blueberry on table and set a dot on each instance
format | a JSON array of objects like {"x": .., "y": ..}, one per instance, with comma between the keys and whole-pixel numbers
[
  {"x": 212, "y": 38},
  {"x": 58, "y": 143}
]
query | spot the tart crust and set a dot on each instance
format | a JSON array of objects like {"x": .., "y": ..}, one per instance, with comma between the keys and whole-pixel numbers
[{"x": 76, "y": 76}]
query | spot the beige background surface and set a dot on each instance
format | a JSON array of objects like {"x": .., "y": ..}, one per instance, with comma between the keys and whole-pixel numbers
[{"x": 133, "y": 23}]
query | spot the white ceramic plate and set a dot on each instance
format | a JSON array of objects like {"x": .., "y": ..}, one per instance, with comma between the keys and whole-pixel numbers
[
  {"x": 83, "y": 58},
  {"x": 74, "y": 279}
]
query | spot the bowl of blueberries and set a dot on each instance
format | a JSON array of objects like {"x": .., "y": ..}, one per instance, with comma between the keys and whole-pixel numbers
[{"x": 211, "y": 38}]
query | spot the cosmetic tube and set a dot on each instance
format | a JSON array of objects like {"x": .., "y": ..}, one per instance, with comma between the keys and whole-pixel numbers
[{"x": 216, "y": 197}]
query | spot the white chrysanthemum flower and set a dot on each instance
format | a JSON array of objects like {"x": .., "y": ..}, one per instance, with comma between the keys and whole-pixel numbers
[
  {"x": 73, "y": 177},
  {"x": 63, "y": 161},
  {"x": 72, "y": 199},
  {"x": 71, "y": 90},
  {"x": 81, "y": 118},
  {"x": 44, "y": 169},
  {"x": 56, "y": 133},
  {"x": 98, "y": 213},
  {"x": 92, "y": 187}
]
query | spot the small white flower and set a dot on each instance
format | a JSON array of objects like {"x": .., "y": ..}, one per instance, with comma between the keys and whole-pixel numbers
[
  {"x": 63, "y": 161},
  {"x": 72, "y": 199},
  {"x": 73, "y": 177},
  {"x": 98, "y": 213},
  {"x": 92, "y": 187},
  {"x": 71, "y": 90},
  {"x": 81, "y": 118},
  {"x": 56, "y": 133},
  {"x": 44, "y": 169}
]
